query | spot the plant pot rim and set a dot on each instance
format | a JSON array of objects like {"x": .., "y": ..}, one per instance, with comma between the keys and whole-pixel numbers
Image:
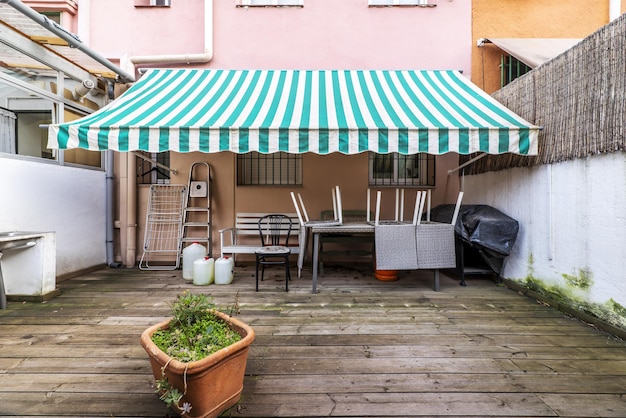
[{"x": 188, "y": 367}]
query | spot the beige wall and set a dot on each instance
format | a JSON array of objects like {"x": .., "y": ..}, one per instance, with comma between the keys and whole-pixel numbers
[
  {"x": 320, "y": 174},
  {"x": 528, "y": 19}
]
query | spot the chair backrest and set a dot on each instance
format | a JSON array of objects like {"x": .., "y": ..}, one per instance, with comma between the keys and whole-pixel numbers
[
  {"x": 303, "y": 215},
  {"x": 275, "y": 229},
  {"x": 337, "y": 206},
  {"x": 297, "y": 207},
  {"x": 457, "y": 207}
]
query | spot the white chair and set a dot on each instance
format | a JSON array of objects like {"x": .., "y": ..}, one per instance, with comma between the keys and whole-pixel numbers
[{"x": 306, "y": 223}]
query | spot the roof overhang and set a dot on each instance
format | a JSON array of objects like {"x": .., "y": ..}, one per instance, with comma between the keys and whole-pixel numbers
[{"x": 31, "y": 43}]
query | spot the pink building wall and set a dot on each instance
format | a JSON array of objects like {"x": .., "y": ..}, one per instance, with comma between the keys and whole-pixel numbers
[{"x": 323, "y": 34}]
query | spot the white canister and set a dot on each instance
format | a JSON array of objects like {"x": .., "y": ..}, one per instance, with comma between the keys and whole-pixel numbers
[
  {"x": 203, "y": 271},
  {"x": 190, "y": 254},
  {"x": 224, "y": 267}
]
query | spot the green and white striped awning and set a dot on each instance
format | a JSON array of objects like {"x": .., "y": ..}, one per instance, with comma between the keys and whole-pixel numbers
[{"x": 298, "y": 111}]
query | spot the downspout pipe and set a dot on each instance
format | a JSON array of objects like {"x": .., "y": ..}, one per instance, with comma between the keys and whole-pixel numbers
[
  {"x": 69, "y": 37},
  {"x": 196, "y": 58},
  {"x": 129, "y": 63},
  {"x": 108, "y": 155}
]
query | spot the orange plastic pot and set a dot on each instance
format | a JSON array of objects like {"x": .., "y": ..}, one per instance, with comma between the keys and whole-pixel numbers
[
  {"x": 386, "y": 275},
  {"x": 211, "y": 385}
]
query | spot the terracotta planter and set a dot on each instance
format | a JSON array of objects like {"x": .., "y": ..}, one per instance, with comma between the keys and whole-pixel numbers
[{"x": 214, "y": 383}]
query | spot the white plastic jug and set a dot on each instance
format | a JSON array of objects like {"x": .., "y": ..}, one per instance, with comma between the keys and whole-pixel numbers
[
  {"x": 203, "y": 271},
  {"x": 224, "y": 267},
  {"x": 190, "y": 254}
]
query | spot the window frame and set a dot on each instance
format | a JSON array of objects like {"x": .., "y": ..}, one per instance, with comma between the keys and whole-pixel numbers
[
  {"x": 59, "y": 106},
  {"x": 249, "y": 175},
  {"x": 425, "y": 174},
  {"x": 270, "y": 3},
  {"x": 400, "y": 3},
  {"x": 511, "y": 68},
  {"x": 157, "y": 163},
  {"x": 153, "y": 3}
]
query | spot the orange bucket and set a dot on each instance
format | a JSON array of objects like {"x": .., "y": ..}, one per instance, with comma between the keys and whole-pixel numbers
[{"x": 386, "y": 275}]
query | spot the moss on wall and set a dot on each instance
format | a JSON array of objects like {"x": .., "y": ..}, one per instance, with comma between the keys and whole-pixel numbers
[
  {"x": 571, "y": 295},
  {"x": 582, "y": 280}
]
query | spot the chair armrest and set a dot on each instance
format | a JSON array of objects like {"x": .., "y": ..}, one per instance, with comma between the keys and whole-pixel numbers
[{"x": 233, "y": 234}]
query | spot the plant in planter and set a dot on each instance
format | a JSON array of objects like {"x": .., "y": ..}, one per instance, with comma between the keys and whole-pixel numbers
[{"x": 198, "y": 356}]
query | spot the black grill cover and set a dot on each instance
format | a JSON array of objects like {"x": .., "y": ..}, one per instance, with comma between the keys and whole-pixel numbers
[{"x": 481, "y": 226}]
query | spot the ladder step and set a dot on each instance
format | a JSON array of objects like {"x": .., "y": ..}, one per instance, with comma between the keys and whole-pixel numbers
[
  {"x": 195, "y": 209},
  {"x": 194, "y": 239},
  {"x": 196, "y": 224}
]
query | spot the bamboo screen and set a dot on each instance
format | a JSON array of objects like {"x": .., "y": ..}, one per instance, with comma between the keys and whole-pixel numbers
[{"x": 578, "y": 98}]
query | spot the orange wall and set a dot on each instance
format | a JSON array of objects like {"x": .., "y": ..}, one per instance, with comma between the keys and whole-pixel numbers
[{"x": 528, "y": 19}]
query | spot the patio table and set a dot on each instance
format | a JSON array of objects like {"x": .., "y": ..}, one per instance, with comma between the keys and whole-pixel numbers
[{"x": 346, "y": 229}]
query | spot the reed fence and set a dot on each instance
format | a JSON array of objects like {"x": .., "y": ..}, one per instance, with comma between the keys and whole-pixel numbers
[{"x": 578, "y": 98}]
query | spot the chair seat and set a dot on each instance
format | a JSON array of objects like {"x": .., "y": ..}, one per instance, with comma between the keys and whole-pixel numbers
[{"x": 273, "y": 250}]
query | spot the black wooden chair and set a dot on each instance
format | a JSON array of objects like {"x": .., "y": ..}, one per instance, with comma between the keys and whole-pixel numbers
[{"x": 274, "y": 230}]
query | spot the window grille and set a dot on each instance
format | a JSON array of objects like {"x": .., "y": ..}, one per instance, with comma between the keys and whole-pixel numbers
[
  {"x": 401, "y": 170},
  {"x": 511, "y": 68},
  {"x": 149, "y": 173},
  {"x": 278, "y": 169}
]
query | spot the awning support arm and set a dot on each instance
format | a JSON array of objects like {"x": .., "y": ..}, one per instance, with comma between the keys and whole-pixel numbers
[
  {"x": 465, "y": 164},
  {"x": 156, "y": 163}
]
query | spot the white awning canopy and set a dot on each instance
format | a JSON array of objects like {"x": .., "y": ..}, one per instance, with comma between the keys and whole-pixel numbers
[{"x": 533, "y": 51}]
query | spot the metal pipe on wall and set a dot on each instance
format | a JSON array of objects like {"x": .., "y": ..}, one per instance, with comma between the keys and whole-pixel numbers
[
  {"x": 129, "y": 245},
  {"x": 193, "y": 58}
]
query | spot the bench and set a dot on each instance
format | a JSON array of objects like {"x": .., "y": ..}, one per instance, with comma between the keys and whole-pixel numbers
[{"x": 243, "y": 238}]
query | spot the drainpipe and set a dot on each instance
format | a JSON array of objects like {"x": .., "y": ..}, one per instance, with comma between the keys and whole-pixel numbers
[
  {"x": 110, "y": 228},
  {"x": 131, "y": 179},
  {"x": 131, "y": 211},
  {"x": 196, "y": 58},
  {"x": 67, "y": 36}
]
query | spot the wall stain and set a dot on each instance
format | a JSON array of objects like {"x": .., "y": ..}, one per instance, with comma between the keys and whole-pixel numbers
[{"x": 570, "y": 295}]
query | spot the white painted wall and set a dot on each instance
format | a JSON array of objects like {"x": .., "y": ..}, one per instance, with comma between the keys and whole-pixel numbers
[
  {"x": 46, "y": 197},
  {"x": 572, "y": 216}
]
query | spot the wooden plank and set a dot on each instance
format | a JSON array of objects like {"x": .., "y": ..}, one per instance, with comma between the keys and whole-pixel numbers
[
  {"x": 431, "y": 382},
  {"x": 612, "y": 405},
  {"x": 79, "y": 404},
  {"x": 360, "y": 347}
]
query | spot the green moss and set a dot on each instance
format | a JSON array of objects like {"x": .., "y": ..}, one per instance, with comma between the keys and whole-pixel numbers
[
  {"x": 582, "y": 280},
  {"x": 610, "y": 312}
]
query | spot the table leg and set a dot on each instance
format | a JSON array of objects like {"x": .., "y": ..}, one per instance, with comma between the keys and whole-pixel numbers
[{"x": 316, "y": 241}]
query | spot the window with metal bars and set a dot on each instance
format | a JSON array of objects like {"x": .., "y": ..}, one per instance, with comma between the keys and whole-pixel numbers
[
  {"x": 401, "y": 170},
  {"x": 279, "y": 169},
  {"x": 511, "y": 68},
  {"x": 150, "y": 173}
]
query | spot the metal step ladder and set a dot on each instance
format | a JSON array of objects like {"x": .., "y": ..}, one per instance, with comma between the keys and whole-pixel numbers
[{"x": 197, "y": 212}]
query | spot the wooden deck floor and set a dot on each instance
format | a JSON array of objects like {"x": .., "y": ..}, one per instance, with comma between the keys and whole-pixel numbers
[{"x": 358, "y": 348}]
